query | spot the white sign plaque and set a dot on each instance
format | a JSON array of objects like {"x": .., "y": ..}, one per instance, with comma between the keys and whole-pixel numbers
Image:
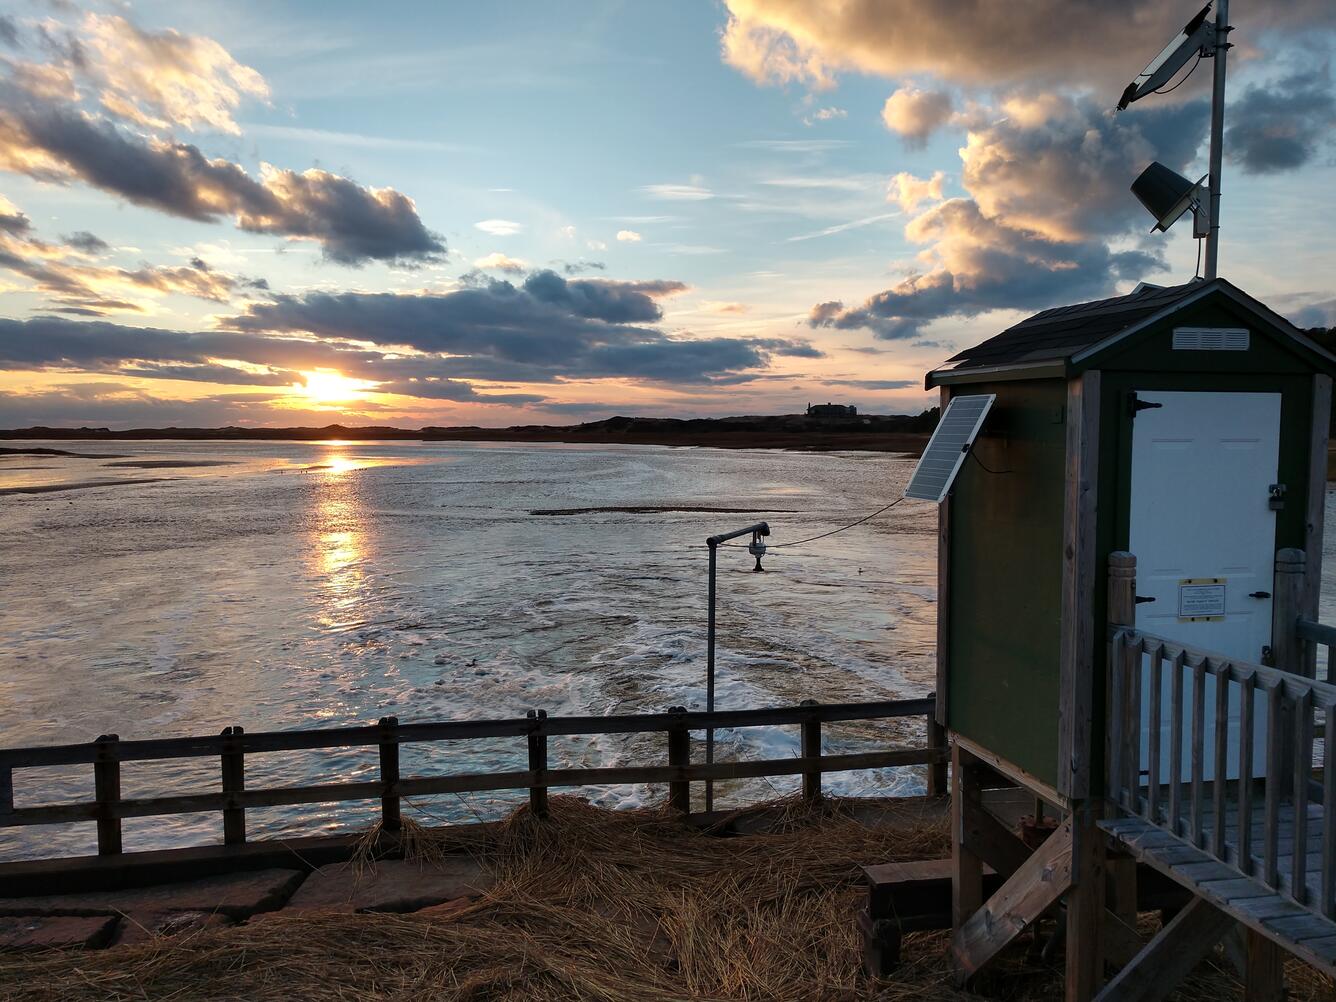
[{"x": 1201, "y": 598}]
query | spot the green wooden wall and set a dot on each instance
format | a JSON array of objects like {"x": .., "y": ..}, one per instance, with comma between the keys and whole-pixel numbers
[{"x": 1005, "y": 578}]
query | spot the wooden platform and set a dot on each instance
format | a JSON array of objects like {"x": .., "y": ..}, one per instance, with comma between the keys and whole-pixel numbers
[{"x": 1294, "y": 928}]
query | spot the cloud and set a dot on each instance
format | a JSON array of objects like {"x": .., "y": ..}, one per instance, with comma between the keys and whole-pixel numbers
[
  {"x": 1046, "y": 197},
  {"x": 908, "y": 191},
  {"x": 61, "y": 272},
  {"x": 825, "y": 115},
  {"x": 678, "y": 192},
  {"x": 496, "y": 261},
  {"x": 875, "y": 384},
  {"x": 916, "y": 114},
  {"x": 151, "y": 77},
  {"x": 104, "y": 111},
  {"x": 1281, "y": 126},
  {"x": 499, "y": 227},
  {"x": 548, "y": 329},
  {"x": 84, "y": 241},
  {"x": 629, "y": 236},
  {"x": 990, "y": 46},
  {"x": 852, "y": 224}
]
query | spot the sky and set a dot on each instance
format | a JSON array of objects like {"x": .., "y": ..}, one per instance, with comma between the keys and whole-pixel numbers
[{"x": 494, "y": 214}]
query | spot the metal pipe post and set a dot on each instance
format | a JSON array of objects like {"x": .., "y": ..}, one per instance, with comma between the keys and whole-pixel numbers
[
  {"x": 1217, "y": 134},
  {"x": 709, "y": 678}
]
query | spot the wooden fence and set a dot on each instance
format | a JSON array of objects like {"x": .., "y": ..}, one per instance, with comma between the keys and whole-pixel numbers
[
  {"x": 234, "y": 744},
  {"x": 1262, "y": 824}
]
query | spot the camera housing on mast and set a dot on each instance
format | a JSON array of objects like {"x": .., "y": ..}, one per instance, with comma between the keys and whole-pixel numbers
[{"x": 757, "y": 549}]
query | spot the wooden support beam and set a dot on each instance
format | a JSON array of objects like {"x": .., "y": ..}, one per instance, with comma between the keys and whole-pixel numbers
[
  {"x": 1076, "y": 723},
  {"x": 1029, "y": 892},
  {"x": 1168, "y": 958},
  {"x": 966, "y": 866},
  {"x": 1263, "y": 969},
  {"x": 1120, "y": 897},
  {"x": 1085, "y": 904},
  {"x": 991, "y": 840}
]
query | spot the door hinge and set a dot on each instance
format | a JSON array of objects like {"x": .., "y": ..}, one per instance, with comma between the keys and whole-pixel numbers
[
  {"x": 1143, "y": 599},
  {"x": 1276, "y": 501},
  {"x": 1259, "y": 594},
  {"x": 1135, "y": 404},
  {"x": 1267, "y": 656}
]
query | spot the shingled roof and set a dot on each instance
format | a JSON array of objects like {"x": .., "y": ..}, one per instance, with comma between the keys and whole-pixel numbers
[
  {"x": 1064, "y": 331},
  {"x": 1065, "y": 334}
]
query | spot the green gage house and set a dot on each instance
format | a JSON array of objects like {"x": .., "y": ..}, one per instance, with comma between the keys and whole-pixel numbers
[{"x": 1130, "y": 560}]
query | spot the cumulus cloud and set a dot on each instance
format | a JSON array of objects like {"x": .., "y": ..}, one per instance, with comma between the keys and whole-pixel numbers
[
  {"x": 909, "y": 192},
  {"x": 1282, "y": 126},
  {"x": 1046, "y": 196},
  {"x": 496, "y": 261},
  {"x": 156, "y": 78},
  {"x": 629, "y": 236},
  {"x": 986, "y": 45},
  {"x": 104, "y": 112},
  {"x": 916, "y": 114}
]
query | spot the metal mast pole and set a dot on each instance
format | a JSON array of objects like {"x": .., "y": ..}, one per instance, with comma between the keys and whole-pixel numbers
[
  {"x": 1217, "y": 133},
  {"x": 709, "y": 681}
]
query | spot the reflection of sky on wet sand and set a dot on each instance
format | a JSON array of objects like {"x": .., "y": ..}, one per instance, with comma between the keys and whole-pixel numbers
[{"x": 318, "y": 583}]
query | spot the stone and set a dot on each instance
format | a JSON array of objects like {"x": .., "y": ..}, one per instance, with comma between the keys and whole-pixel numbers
[
  {"x": 141, "y": 927},
  {"x": 236, "y": 895},
  {"x": 55, "y": 932},
  {"x": 390, "y": 886}
]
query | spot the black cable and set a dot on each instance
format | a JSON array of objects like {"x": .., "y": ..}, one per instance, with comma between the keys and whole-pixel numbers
[
  {"x": 1197, "y": 274},
  {"x": 1181, "y": 82},
  {"x": 809, "y": 539},
  {"x": 986, "y": 469}
]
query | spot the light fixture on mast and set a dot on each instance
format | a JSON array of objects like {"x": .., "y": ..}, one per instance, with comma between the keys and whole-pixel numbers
[{"x": 1165, "y": 194}]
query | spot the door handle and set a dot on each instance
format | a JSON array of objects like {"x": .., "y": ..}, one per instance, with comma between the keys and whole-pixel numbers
[
  {"x": 1143, "y": 599},
  {"x": 1259, "y": 594}
]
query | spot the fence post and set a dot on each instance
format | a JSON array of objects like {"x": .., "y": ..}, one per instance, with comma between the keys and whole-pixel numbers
[
  {"x": 1287, "y": 650},
  {"x": 937, "y": 781},
  {"x": 538, "y": 764},
  {"x": 679, "y": 754},
  {"x": 390, "y": 818},
  {"x": 234, "y": 781},
  {"x": 1121, "y": 610},
  {"x": 107, "y": 791},
  {"x": 811, "y": 748}
]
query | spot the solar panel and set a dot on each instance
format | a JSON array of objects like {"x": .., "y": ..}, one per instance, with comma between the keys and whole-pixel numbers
[{"x": 948, "y": 447}]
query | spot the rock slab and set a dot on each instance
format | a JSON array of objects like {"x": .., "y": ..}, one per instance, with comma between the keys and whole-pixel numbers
[
  {"x": 236, "y": 895},
  {"x": 55, "y": 932},
  {"x": 141, "y": 927},
  {"x": 390, "y": 886}
]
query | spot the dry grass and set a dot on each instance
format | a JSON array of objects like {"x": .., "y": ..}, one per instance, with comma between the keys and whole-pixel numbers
[{"x": 589, "y": 904}]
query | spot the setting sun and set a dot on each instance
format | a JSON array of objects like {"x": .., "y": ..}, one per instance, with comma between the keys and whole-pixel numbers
[{"x": 324, "y": 387}]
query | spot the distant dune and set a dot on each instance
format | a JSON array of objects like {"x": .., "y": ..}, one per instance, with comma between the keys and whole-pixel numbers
[{"x": 873, "y": 433}]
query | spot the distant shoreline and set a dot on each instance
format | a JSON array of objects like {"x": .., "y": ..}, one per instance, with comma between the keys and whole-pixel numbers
[{"x": 874, "y": 433}]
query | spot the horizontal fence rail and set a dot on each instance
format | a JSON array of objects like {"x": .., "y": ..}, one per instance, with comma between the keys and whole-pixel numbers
[
  {"x": 1220, "y": 753},
  {"x": 234, "y": 744},
  {"x": 1318, "y": 635}
]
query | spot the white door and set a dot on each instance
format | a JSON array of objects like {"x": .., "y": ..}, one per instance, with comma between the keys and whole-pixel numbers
[{"x": 1204, "y": 535}]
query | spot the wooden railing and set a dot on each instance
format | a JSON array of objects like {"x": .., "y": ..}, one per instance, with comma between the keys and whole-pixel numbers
[
  {"x": 233, "y": 746},
  {"x": 1318, "y": 635},
  {"x": 1217, "y": 814}
]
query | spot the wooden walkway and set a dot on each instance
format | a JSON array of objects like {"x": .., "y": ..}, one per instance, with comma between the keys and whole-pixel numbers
[{"x": 1274, "y": 914}]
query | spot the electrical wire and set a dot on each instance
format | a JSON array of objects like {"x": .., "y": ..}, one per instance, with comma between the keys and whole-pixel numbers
[
  {"x": 987, "y": 469},
  {"x": 810, "y": 539},
  {"x": 1182, "y": 80},
  {"x": 1197, "y": 274}
]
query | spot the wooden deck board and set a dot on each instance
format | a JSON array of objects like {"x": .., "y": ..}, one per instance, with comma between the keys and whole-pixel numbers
[{"x": 1295, "y": 928}]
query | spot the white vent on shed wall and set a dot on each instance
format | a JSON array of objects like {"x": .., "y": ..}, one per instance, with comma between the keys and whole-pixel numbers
[{"x": 1210, "y": 339}]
